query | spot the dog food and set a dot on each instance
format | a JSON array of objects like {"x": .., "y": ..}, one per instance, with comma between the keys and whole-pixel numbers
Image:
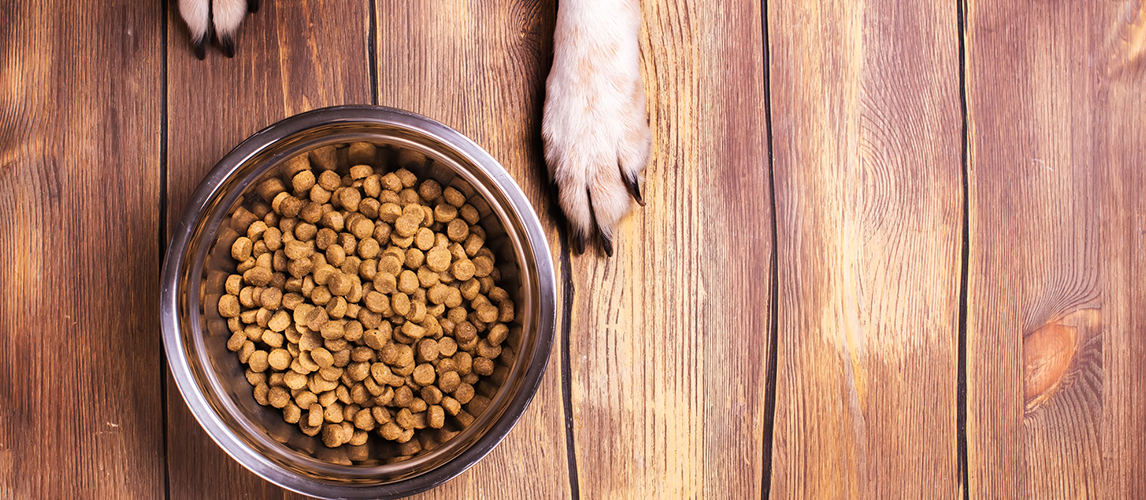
[{"x": 364, "y": 303}]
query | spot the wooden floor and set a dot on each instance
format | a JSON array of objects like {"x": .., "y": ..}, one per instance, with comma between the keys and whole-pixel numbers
[{"x": 891, "y": 249}]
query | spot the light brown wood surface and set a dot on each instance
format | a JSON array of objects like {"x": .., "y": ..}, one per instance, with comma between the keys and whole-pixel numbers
[
  {"x": 1054, "y": 340},
  {"x": 81, "y": 371},
  {"x": 669, "y": 339},
  {"x": 856, "y": 211},
  {"x": 868, "y": 167}
]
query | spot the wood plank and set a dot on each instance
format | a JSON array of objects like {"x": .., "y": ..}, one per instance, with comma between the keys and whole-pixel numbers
[
  {"x": 291, "y": 57},
  {"x": 1054, "y": 378},
  {"x": 670, "y": 337},
  {"x": 867, "y": 135},
  {"x": 480, "y": 68},
  {"x": 79, "y": 189}
]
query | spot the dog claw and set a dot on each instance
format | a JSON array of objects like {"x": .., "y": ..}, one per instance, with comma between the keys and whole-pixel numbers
[
  {"x": 227, "y": 45},
  {"x": 578, "y": 242},
  {"x": 634, "y": 189},
  {"x": 200, "y": 48},
  {"x": 607, "y": 244}
]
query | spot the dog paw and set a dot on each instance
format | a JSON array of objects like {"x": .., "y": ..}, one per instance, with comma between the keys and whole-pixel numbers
[
  {"x": 595, "y": 126},
  {"x": 222, "y": 17}
]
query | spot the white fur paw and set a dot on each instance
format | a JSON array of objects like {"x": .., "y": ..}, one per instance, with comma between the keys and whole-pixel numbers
[
  {"x": 221, "y": 16},
  {"x": 595, "y": 125}
]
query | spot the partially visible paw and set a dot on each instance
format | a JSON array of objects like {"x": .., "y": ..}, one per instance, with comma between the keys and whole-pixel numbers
[
  {"x": 595, "y": 125},
  {"x": 221, "y": 16}
]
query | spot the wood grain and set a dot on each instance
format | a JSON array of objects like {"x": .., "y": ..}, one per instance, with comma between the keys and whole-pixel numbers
[
  {"x": 480, "y": 68},
  {"x": 291, "y": 57},
  {"x": 867, "y": 136},
  {"x": 670, "y": 337},
  {"x": 1055, "y": 106},
  {"x": 80, "y": 373}
]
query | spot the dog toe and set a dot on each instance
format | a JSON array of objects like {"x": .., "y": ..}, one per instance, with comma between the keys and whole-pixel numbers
[
  {"x": 227, "y": 15},
  {"x": 197, "y": 15}
]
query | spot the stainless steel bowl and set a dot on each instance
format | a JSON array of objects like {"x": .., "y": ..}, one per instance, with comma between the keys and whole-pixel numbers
[{"x": 211, "y": 378}]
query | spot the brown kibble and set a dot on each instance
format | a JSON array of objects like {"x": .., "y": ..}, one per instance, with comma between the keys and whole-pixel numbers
[
  {"x": 279, "y": 359},
  {"x": 258, "y": 361},
  {"x": 424, "y": 374},
  {"x": 438, "y": 259},
  {"x": 429, "y": 190},
  {"x": 372, "y": 185},
  {"x": 400, "y": 303},
  {"x": 407, "y": 282},
  {"x": 486, "y": 314},
  {"x": 261, "y": 392},
  {"x": 445, "y": 213},
  {"x": 431, "y": 394},
  {"x": 389, "y": 212},
  {"x": 428, "y": 350},
  {"x": 464, "y": 393},
  {"x": 333, "y": 436},
  {"x": 483, "y": 367},
  {"x": 453, "y": 297},
  {"x": 424, "y": 239},
  {"x": 297, "y": 250},
  {"x": 339, "y": 284},
  {"x": 257, "y": 276},
  {"x": 449, "y": 381},
  {"x": 294, "y": 380},
  {"x": 451, "y": 405},
  {"x": 470, "y": 289},
  {"x": 391, "y": 431},
  {"x": 241, "y": 248},
  {"x": 361, "y": 228},
  {"x": 316, "y": 318},
  {"x": 368, "y": 248},
  {"x": 391, "y": 182},
  {"x": 407, "y": 177},
  {"x": 457, "y": 230},
  {"x": 349, "y": 198},
  {"x": 465, "y": 331},
  {"x": 483, "y": 266},
  {"x": 405, "y": 418},
  {"x": 381, "y": 415},
  {"x": 322, "y": 357},
  {"x": 329, "y": 180},
  {"x": 278, "y": 397},
  {"x": 364, "y": 420},
  {"x": 470, "y": 214},
  {"x": 437, "y": 417},
  {"x": 406, "y": 226},
  {"x": 311, "y": 212},
  {"x": 369, "y": 206},
  {"x": 403, "y": 396},
  {"x": 314, "y": 415},
  {"x": 303, "y": 181},
  {"x": 497, "y": 334},
  {"x": 333, "y": 220},
  {"x": 401, "y": 242},
  {"x": 505, "y": 311},
  {"x": 319, "y": 195},
  {"x": 454, "y": 197},
  {"x": 229, "y": 306}
]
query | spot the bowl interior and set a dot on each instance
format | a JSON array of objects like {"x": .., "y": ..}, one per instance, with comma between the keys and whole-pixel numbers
[{"x": 261, "y": 431}]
